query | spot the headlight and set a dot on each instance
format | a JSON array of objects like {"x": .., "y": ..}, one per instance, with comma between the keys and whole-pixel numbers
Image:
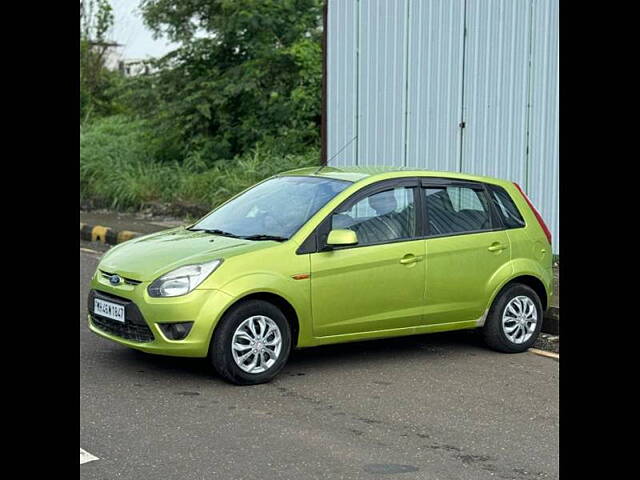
[{"x": 182, "y": 280}]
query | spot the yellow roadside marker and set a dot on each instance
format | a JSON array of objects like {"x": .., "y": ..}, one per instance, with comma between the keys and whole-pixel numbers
[
  {"x": 125, "y": 235},
  {"x": 544, "y": 353},
  {"x": 99, "y": 234}
]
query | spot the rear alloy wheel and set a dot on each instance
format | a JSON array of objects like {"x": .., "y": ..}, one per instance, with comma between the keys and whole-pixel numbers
[
  {"x": 519, "y": 319},
  {"x": 514, "y": 320},
  {"x": 251, "y": 344}
]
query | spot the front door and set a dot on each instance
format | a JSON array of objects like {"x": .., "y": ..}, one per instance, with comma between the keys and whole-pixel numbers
[{"x": 377, "y": 284}]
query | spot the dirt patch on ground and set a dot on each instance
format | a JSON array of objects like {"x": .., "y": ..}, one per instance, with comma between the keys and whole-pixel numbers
[{"x": 548, "y": 342}]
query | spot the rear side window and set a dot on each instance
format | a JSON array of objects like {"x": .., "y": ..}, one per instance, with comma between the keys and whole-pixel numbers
[
  {"x": 452, "y": 210},
  {"x": 505, "y": 207}
]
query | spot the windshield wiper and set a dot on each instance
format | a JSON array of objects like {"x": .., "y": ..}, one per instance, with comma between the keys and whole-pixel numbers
[
  {"x": 215, "y": 231},
  {"x": 262, "y": 236}
]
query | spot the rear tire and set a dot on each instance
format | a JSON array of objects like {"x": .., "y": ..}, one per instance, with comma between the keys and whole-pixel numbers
[
  {"x": 251, "y": 344},
  {"x": 514, "y": 319}
]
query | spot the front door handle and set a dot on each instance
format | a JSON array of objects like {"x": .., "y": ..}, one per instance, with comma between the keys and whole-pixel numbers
[
  {"x": 497, "y": 247},
  {"x": 409, "y": 258}
]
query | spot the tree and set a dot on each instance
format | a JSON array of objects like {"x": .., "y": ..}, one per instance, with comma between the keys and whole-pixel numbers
[
  {"x": 246, "y": 71},
  {"x": 96, "y": 20}
]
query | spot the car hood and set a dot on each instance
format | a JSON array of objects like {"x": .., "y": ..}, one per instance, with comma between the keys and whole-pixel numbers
[{"x": 146, "y": 258}]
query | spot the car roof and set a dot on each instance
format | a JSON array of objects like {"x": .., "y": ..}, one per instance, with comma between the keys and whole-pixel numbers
[{"x": 374, "y": 173}]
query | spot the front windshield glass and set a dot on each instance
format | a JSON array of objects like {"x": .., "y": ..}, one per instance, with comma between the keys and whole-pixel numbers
[{"x": 277, "y": 207}]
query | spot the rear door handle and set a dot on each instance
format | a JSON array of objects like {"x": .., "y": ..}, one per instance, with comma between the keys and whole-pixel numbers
[
  {"x": 497, "y": 247},
  {"x": 409, "y": 258}
]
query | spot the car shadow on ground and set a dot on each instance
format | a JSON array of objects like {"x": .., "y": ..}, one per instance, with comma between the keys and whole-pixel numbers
[
  {"x": 308, "y": 359},
  {"x": 380, "y": 350}
]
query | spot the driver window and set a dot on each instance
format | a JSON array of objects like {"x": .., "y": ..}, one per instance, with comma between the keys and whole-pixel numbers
[{"x": 382, "y": 217}]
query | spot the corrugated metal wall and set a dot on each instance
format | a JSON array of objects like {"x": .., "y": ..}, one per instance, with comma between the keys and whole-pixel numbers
[
  {"x": 435, "y": 84},
  {"x": 382, "y": 62},
  {"x": 342, "y": 88},
  {"x": 494, "y": 140},
  {"x": 402, "y": 75},
  {"x": 543, "y": 182}
]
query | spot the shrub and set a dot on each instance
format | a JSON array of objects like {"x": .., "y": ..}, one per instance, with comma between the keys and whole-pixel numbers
[{"x": 124, "y": 166}]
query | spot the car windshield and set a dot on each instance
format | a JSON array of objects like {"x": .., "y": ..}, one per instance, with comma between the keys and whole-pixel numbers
[{"x": 275, "y": 208}]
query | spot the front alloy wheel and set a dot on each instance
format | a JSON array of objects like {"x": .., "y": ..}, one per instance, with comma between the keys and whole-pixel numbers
[
  {"x": 251, "y": 343},
  {"x": 256, "y": 344}
]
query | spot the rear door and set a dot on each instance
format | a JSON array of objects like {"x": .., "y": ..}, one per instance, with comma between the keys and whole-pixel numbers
[
  {"x": 377, "y": 284},
  {"x": 466, "y": 249}
]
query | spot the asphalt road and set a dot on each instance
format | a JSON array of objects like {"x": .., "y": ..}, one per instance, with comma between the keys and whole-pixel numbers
[{"x": 438, "y": 406}]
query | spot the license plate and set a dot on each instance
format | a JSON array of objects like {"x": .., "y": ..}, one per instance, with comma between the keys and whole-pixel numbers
[{"x": 109, "y": 310}]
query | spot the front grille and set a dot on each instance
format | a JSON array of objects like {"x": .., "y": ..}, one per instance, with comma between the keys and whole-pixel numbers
[
  {"x": 134, "y": 328},
  {"x": 130, "y": 281},
  {"x": 128, "y": 331}
]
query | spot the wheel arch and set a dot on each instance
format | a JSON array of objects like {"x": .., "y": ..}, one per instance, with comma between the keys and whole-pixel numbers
[
  {"x": 282, "y": 303},
  {"x": 532, "y": 281}
]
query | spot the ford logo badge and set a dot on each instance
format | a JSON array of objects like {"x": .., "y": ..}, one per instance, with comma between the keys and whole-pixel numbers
[{"x": 114, "y": 279}]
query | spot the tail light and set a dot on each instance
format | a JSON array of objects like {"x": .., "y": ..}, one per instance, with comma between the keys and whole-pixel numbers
[{"x": 546, "y": 230}]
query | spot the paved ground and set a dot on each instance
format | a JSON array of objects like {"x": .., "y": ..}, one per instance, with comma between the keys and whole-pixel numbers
[{"x": 428, "y": 407}]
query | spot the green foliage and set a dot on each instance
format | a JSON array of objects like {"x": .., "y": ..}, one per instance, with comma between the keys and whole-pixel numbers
[
  {"x": 237, "y": 102},
  {"x": 252, "y": 75},
  {"x": 98, "y": 86},
  {"x": 119, "y": 169},
  {"x": 96, "y": 19}
]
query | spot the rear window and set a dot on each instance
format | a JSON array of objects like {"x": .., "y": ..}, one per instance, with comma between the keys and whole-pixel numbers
[
  {"x": 452, "y": 210},
  {"x": 505, "y": 207}
]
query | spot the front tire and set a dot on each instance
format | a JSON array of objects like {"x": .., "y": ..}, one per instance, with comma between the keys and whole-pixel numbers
[
  {"x": 514, "y": 319},
  {"x": 251, "y": 344}
]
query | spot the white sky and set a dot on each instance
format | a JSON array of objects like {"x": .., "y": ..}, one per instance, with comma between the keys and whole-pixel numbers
[{"x": 130, "y": 31}]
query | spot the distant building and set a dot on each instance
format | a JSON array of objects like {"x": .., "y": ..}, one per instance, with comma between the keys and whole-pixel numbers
[
  {"x": 132, "y": 67},
  {"x": 114, "y": 60},
  {"x": 112, "y": 53}
]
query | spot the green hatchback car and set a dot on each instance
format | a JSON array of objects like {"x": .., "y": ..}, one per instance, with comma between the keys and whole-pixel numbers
[{"x": 320, "y": 256}]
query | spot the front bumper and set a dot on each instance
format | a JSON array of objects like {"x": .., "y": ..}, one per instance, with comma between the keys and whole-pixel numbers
[{"x": 143, "y": 314}]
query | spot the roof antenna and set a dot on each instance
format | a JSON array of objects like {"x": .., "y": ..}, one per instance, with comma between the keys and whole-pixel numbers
[{"x": 336, "y": 154}]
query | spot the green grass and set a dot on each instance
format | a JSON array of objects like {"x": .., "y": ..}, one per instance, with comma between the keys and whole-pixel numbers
[{"x": 120, "y": 169}]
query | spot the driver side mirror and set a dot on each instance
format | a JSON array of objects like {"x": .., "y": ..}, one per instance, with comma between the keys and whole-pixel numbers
[{"x": 340, "y": 238}]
